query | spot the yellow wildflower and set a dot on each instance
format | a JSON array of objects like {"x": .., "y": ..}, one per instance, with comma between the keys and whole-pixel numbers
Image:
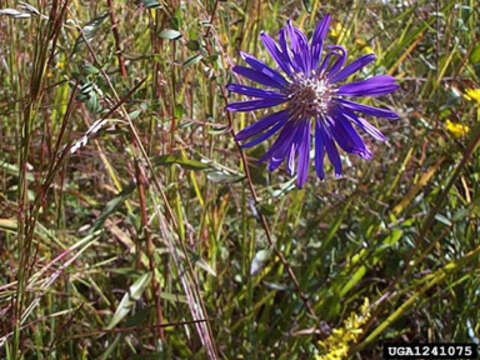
[
  {"x": 472, "y": 95},
  {"x": 337, "y": 345},
  {"x": 457, "y": 129},
  {"x": 337, "y": 30},
  {"x": 365, "y": 48}
]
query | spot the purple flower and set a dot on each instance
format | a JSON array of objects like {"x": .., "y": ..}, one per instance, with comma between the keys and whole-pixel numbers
[{"x": 310, "y": 92}]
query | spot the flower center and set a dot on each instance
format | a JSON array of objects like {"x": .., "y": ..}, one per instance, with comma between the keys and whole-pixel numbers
[{"x": 310, "y": 97}]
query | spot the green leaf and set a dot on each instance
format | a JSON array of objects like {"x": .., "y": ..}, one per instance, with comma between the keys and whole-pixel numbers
[
  {"x": 176, "y": 21},
  {"x": 170, "y": 34},
  {"x": 128, "y": 300},
  {"x": 89, "y": 30},
  {"x": 259, "y": 261},
  {"x": 178, "y": 111},
  {"x": 92, "y": 104},
  {"x": 201, "y": 263},
  {"x": 212, "y": 58},
  {"x": 220, "y": 130},
  {"x": 151, "y": 4},
  {"x": 15, "y": 14},
  {"x": 112, "y": 206},
  {"x": 193, "y": 60},
  {"x": 275, "y": 286},
  {"x": 308, "y": 5},
  {"x": 222, "y": 177},
  {"x": 475, "y": 55},
  {"x": 12, "y": 169},
  {"x": 134, "y": 114},
  {"x": 443, "y": 220},
  {"x": 185, "y": 163},
  {"x": 357, "y": 276},
  {"x": 8, "y": 224},
  {"x": 193, "y": 45}
]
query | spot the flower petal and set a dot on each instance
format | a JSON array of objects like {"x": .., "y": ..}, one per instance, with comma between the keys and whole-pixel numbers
[
  {"x": 331, "y": 148},
  {"x": 375, "y": 86},
  {"x": 300, "y": 50},
  {"x": 304, "y": 155},
  {"x": 317, "y": 40},
  {"x": 326, "y": 61},
  {"x": 369, "y": 110},
  {"x": 304, "y": 50},
  {"x": 286, "y": 150},
  {"x": 252, "y": 91},
  {"x": 337, "y": 65},
  {"x": 256, "y": 76},
  {"x": 262, "y": 124},
  {"x": 290, "y": 158},
  {"x": 352, "y": 68},
  {"x": 274, "y": 163},
  {"x": 276, "y": 53},
  {"x": 282, "y": 41},
  {"x": 291, "y": 154},
  {"x": 319, "y": 150},
  {"x": 341, "y": 56},
  {"x": 364, "y": 125},
  {"x": 266, "y": 135},
  {"x": 253, "y": 104},
  {"x": 264, "y": 69},
  {"x": 283, "y": 142},
  {"x": 347, "y": 137}
]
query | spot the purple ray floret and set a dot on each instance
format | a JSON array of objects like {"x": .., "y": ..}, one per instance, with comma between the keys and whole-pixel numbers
[{"x": 310, "y": 96}]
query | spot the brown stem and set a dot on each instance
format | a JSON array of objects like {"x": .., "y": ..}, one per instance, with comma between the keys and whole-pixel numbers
[
  {"x": 121, "y": 63},
  {"x": 144, "y": 218}
]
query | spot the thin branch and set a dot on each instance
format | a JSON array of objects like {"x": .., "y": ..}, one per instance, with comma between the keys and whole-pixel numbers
[
  {"x": 150, "y": 249},
  {"x": 121, "y": 62}
]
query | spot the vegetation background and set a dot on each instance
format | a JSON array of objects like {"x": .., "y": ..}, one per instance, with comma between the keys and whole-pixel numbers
[{"x": 131, "y": 227}]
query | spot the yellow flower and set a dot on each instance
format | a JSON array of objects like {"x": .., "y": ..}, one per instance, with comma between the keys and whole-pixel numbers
[
  {"x": 337, "y": 345},
  {"x": 472, "y": 95},
  {"x": 337, "y": 30},
  {"x": 457, "y": 129},
  {"x": 365, "y": 48}
]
